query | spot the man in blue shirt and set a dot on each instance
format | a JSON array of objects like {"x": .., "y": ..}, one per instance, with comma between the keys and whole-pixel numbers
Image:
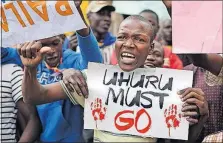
[{"x": 61, "y": 121}]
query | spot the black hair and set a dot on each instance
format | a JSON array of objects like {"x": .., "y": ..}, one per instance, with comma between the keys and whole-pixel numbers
[
  {"x": 150, "y": 11},
  {"x": 142, "y": 19}
]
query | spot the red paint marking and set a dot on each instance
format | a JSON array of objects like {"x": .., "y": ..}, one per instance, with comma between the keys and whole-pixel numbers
[
  {"x": 98, "y": 112},
  {"x": 172, "y": 118}
]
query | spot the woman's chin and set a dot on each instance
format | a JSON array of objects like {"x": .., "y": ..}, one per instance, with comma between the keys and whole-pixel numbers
[{"x": 127, "y": 68}]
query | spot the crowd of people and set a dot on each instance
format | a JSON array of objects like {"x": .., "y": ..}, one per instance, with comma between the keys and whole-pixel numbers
[{"x": 36, "y": 107}]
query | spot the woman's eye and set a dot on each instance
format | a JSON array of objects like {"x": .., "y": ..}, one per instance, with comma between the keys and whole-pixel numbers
[
  {"x": 157, "y": 55},
  {"x": 121, "y": 37},
  {"x": 139, "y": 39}
]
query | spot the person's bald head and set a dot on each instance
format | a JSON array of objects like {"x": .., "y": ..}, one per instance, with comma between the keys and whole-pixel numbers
[{"x": 134, "y": 42}]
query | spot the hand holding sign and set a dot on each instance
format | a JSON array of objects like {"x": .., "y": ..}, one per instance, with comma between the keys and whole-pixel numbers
[
  {"x": 195, "y": 104},
  {"x": 74, "y": 80},
  {"x": 31, "y": 53}
]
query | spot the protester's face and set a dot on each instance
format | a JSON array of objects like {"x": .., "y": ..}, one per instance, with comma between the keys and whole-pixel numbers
[
  {"x": 53, "y": 57},
  {"x": 152, "y": 19},
  {"x": 167, "y": 30},
  {"x": 100, "y": 21},
  {"x": 133, "y": 44},
  {"x": 156, "y": 57}
]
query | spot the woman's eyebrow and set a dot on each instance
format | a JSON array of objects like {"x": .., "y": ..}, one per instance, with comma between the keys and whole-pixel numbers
[
  {"x": 122, "y": 32},
  {"x": 140, "y": 34},
  {"x": 156, "y": 51}
]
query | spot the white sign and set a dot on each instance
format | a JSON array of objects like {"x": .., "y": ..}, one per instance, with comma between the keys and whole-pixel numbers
[
  {"x": 143, "y": 102},
  {"x": 24, "y": 21}
]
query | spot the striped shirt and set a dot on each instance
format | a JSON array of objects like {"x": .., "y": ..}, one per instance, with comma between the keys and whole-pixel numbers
[
  {"x": 11, "y": 92},
  {"x": 107, "y": 52}
]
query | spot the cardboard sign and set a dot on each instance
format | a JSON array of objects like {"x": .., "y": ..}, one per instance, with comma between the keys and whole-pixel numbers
[
  {"x": 143, "y": 102},
  {"x": 23, "y": 21},
  {"x": 197, "y": 26}
]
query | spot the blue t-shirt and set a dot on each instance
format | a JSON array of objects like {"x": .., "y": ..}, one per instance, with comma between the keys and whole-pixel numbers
[
  {"x": 10, "y": 56},
  {"x": 61, "y": 120}
]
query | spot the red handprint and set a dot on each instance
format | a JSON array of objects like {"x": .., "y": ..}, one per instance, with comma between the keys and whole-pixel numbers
[
  {"x": 172, "y": 118},
  {"x": 98, "y": 112}
]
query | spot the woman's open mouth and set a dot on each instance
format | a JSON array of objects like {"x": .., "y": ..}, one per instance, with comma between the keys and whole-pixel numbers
[{"x": 128, "y": 58}]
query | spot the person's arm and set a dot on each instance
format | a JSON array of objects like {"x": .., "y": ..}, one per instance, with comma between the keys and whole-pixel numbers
[
  {"x": 33, "y": 127},
  {"x": 38, "y": 94},
  {"x": 168, "y": 4},
  {"x": 89, "y": 49},
  {"x": 10, "y": 56},
  {"x": 210, "y": 62},
  {"x": 31, "y": 55}
]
